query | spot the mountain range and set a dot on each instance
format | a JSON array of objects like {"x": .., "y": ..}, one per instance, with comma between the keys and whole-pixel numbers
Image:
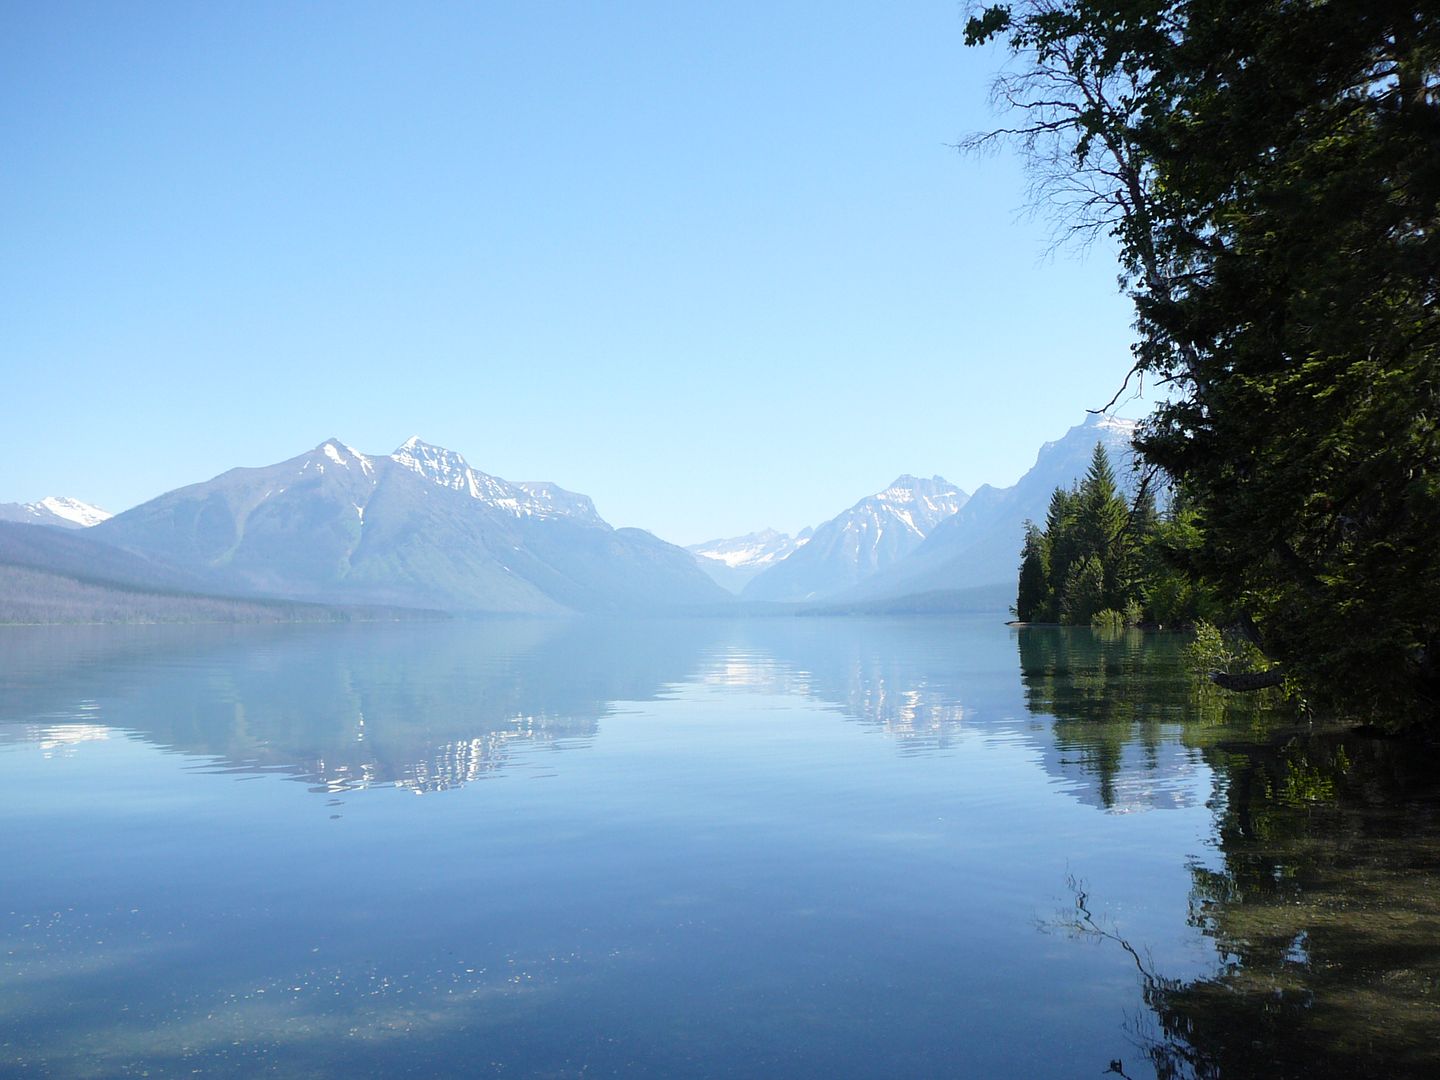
[
  {"x": 874, "y": 534},
  {"x": 980, "y": 545},
  {"x": 415, "y": 528},
  {"x": 920, "y": 539},
  {"x": 420, "y": 528}
]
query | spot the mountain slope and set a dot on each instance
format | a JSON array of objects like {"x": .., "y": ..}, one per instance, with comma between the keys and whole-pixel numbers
[
  {"x": 418, "y": 527},
  {"x": 53, "y": 575},
  {"x": 71, "y": 553},
  {"x": 980, "y": 545},
  {"x": 875, "y": 533}
]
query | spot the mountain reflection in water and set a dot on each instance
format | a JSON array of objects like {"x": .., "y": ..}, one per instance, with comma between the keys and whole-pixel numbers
[
  {"x": 419, "y": 706},
  {"x": 1313, "y": 913},
  {"x": 428, "y": 707}
]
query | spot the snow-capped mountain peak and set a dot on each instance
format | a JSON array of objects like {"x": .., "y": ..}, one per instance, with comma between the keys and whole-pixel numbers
[
  {"x": 73, "y": 510},
  {"x": 877, "y": 531},
  {"x": 551, "y": 500},
  {"x": 1117, "y": 431},
  {"x": 917, "y": 504},
  {"x": 1113, "y": 423},
  {"x": 753, "y": 550},
  {"x": 58, "y": 510},
  {"x": 936, "y": 497},
  {"x": 978, "y": 545},
  {"x": 337, "y": 453},
  {"x": 334, "y": 525},
  {"x": 438, "y": 465},
  {"x": 732, "y": 562},
  {"x": 527, "y": 498}
]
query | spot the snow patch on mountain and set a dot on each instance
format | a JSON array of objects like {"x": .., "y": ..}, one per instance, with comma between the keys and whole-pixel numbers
[
  {"x": 753, "y": 550},
  {"x": 732, "y": 562},
  {"x": 530, "y": 498},
  {"x": 547, "y": 499},
  {"x": 876, "y": 532},
  {"x": 419, "y": 528},
  {"x": 1117, "y": 424},
  {"x": 916, "y": 504},
  {"x": 980, "y": 545},
  {"x": 57, "y": 510},
  {"x": 440, "y": 466},
  {"x": 81, "y": 513}
]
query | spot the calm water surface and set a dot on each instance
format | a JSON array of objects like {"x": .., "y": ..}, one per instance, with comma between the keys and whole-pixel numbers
[{"x": 784, "y": 847}]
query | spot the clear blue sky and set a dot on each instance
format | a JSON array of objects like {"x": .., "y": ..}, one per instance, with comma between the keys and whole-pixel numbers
[{"x": 717, "y": 266}]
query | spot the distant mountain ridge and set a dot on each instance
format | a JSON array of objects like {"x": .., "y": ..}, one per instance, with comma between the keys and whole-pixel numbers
[
  {"x": 523, "y": 499},
  {"x": 56, "y": 510},
  {"x": 418, "y": 528},
  {"x": 734, "y": 561},
  {"x": 875, "y": 533},
  {"x": 980, "y": 545}
]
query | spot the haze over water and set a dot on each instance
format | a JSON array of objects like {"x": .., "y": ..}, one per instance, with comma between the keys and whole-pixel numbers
[{"x": 784, "y": 847}]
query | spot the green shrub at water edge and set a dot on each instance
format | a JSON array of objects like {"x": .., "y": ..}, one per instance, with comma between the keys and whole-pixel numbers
[
  {"x": 1227, "y": 651},
  {"x": 1108, "y": 619}
]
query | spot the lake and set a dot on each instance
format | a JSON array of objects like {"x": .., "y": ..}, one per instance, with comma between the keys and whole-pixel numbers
[{"x": 780, "y": 847}]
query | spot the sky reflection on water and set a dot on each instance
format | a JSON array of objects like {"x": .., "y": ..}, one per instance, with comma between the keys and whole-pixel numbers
[{"x": 784, "y": 847}]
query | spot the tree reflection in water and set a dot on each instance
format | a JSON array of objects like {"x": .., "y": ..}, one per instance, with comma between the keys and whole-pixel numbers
[{"x": 1322, "y": 901}]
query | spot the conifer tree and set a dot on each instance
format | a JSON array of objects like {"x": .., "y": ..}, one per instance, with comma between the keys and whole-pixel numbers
[
  {"x": 1084, "y": 591},
  {"x": 1270, "y": 170},
  {"x": 1100, "y": 521},
  {"x": 1096, "y": 553},
  {"x": 1033, "y": 602},
  {"x": 1062, "y": 542}
]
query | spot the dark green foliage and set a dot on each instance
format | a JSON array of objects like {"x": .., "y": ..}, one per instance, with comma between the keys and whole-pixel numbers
[
  {"x": 1271, "y": 170},
  {"x": 1084, "y": 590},
  {"x": 1034, "y": 598},
  {"x": 1101, "y": 514},
  {"x": 1108, "y": 620},
  {"x": 1063, "y": 540},
  {"x": 1095, "y": 556},
  {"x": 1174, "y": 592},
  {"x": 1317, "y": 893},
  {"x": 1308, "y": 826}
]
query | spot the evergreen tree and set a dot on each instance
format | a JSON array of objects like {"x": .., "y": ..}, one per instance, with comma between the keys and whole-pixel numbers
[
  {"x": 1271, "y": 171},
  {"x": 1092, "y": 543},
  {"x": 1136, "y": 558},
  {"x": 1084, "y": 591},
  {"x": 1144, "y": 515},
  {"x": 1100, "y": 524},
  {"x": 1062, "y": 542},
  {"x": 1033, "y": 602}
]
